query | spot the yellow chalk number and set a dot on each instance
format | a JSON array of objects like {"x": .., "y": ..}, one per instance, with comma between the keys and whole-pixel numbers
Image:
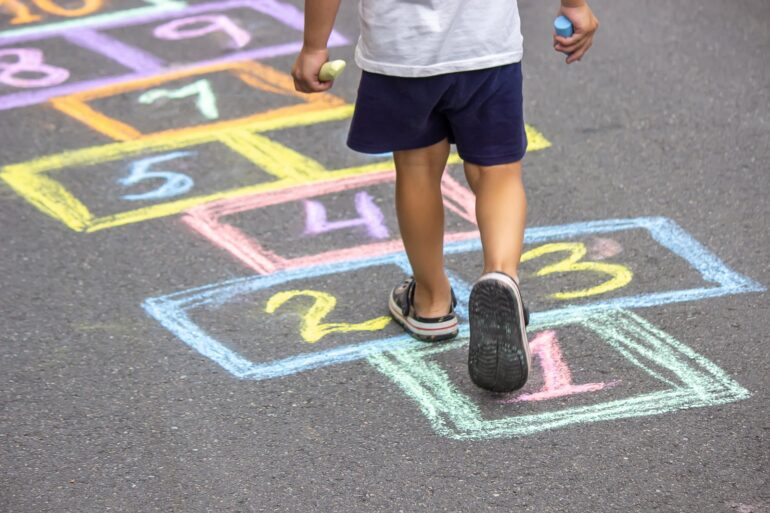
[
  {"x": 620, "y": 274},
  {"x": 312, "y": 329}
]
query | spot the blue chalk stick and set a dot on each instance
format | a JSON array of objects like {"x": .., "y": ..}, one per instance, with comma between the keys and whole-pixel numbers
[{"x": 563, "y": 26}]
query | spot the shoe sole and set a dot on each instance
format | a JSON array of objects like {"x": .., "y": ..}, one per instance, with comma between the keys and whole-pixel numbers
[
  {"x": 446, "y": 331},
  {"x": 498, "y": 351}
]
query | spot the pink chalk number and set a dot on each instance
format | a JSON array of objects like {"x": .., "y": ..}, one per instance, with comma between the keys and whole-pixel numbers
[
  {"x": 199, "y": 26},
  {"x": 24, "y": 62},
  {"x": 556, "y": 373},
  {"x": 371, "y": 218}
]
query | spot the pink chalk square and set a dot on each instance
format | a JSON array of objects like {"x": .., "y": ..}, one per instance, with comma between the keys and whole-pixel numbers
[{"x": 208, "y": 221}]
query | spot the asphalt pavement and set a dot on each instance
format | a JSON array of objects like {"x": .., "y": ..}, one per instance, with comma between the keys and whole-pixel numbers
[{"x": 195, "y": 272}]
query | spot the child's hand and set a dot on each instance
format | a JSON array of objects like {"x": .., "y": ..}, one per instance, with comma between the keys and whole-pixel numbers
[
  {"x": 306, "y": 69},
  {"x": 585, "y": 25}
]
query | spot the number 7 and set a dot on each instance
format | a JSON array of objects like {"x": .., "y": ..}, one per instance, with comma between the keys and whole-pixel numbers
[{"x": 206, "y": 102}]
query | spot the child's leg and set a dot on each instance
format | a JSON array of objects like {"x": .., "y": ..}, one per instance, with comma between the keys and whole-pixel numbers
[
  {"x": 499, "y": 358},
  {"x": 501, "y": 211},
  {"x": 420, "y": 209}
]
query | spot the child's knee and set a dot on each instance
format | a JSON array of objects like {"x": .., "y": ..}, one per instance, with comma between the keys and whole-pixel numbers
[{"x": 500, "y": 174}]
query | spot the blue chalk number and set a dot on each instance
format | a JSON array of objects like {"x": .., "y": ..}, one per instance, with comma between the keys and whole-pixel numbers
[{"x": 175, "y": 183}]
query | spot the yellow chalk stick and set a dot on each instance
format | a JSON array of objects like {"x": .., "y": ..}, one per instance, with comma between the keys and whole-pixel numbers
[{"x": 331, "y": 70}]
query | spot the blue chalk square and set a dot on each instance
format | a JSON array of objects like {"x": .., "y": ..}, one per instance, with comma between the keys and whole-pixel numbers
[{"x": 177, "y": 312}]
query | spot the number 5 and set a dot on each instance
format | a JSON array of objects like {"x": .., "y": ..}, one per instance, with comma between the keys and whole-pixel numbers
[{"x": 175, "y": 183}]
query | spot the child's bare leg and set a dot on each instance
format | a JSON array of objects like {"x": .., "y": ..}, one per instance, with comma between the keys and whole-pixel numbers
[
  {"x": 501, "y": 211},
  {"x": 420, "y": 209}
]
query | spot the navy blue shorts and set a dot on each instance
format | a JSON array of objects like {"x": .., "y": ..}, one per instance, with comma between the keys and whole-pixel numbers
[{"x": 480, "y": 111}]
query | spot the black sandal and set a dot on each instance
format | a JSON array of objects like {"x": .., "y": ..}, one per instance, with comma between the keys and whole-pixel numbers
[
  {"x": 498, "y": 352},
  {"x": 427, "y": 329}
]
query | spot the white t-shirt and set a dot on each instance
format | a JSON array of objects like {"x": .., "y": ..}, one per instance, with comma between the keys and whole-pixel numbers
[{"x": 420, "y": 38}]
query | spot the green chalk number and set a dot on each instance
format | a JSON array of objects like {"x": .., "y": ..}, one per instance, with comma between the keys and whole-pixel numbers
[{"x": 206, "y": 101}]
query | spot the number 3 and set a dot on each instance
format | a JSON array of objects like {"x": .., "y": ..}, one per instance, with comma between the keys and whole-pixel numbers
[
  {"x": 312, "y": 329},
  {"x": 621, "y": 275}
]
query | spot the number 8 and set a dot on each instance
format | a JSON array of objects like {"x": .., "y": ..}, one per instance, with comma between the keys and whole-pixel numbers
[{"x": 29, "y": 60}]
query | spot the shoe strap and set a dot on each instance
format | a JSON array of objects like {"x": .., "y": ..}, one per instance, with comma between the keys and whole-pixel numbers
[{"x": 408, "y": 297}]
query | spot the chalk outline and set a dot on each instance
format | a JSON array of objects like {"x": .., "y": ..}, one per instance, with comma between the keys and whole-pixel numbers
[
  {"x": 284, "y": 13},
  {"x": 291, "y": 168},
  {"x": 256, "y": 75},
  {"x": 29, "y": 178},
  {"x": 453, "y": 414},
  {"x": 40, "y": 29},
  {"x": 170, "y": 310},
  {"x": 206, "y": 221}
]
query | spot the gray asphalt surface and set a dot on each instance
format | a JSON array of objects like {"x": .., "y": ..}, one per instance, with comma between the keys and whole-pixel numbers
[{"x": 104, "y": 409}]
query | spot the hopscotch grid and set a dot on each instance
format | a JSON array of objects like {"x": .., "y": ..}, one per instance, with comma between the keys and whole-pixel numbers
[
  {"x": 35, "y": 30},
  {"x": 50, "y": 197},
  {"x": 434, "y": 392},
  {"x": 168, "y": 309},
  {"x": 28, "y": 179},
  {"x": 206, "y": 220},
  {"x": 286, "y": 14},
  {"x": 76, "y": 106}
]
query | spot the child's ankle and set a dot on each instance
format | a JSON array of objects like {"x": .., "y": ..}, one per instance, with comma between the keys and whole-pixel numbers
[
  {"x": 513, "y": 273},
  {"x": 432, "y": 301}
]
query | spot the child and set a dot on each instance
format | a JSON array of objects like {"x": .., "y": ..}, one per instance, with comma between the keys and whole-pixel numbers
[{"x": 437, "y": 72}]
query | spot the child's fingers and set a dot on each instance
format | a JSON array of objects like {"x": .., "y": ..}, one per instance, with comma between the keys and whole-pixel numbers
[
  {"x": 578, "y": 54},
  {"x": 571, "y": 44},
  {"x": 566, "y": 41}
]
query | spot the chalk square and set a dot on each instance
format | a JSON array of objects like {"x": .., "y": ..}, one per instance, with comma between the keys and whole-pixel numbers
[
  {"x": 200, "y": 169},
  {"x": 171, "y": 311},
  {"x": 31, "y": 179},
  {"x": 258, "y": 76},
  {"x": 26, "y": 21},
  {"x": 269, "y": 27},
  {"x": 90, "y": 34},
  {"x": 690, "y": 381},
  {"x": 207, "y": 221},
  {"x": 66, "y": 60}
]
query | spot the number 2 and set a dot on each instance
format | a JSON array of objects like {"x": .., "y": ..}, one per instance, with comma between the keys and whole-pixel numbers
[{"x": 312, "y": 329}]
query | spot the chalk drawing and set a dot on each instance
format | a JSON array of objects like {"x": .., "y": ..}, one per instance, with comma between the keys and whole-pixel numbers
[
  {"x": 32, "y": 181},
  {"x": 601, "y": 248},
  {"x": 21, "y": 12},
  {"x": 556, "y": 373},
  {"x": 178, "y": 30},
  {"x": 312, "y": 329},
  {"x": 144, "y": 65},
  {"x": 371, "y": 218},
  {"x": 206, "y": 100},
  {"x": 25, "y": 62},
  {"x": 24, "y": 15},
  {"x": 87, "y": 7},
  {"x": 621, "y": 275},
  {"x": 208, "y": 221},
  {"x": 175, "y": 184},
  {"x": 112, "y": 48},
  {"x": 171, "y": 311},
  {"x": 266, "y": 80},
  {"x": 695, "y": 381}
]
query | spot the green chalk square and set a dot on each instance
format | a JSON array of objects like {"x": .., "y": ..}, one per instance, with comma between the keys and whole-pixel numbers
[{"x": 693, "y": 381}]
